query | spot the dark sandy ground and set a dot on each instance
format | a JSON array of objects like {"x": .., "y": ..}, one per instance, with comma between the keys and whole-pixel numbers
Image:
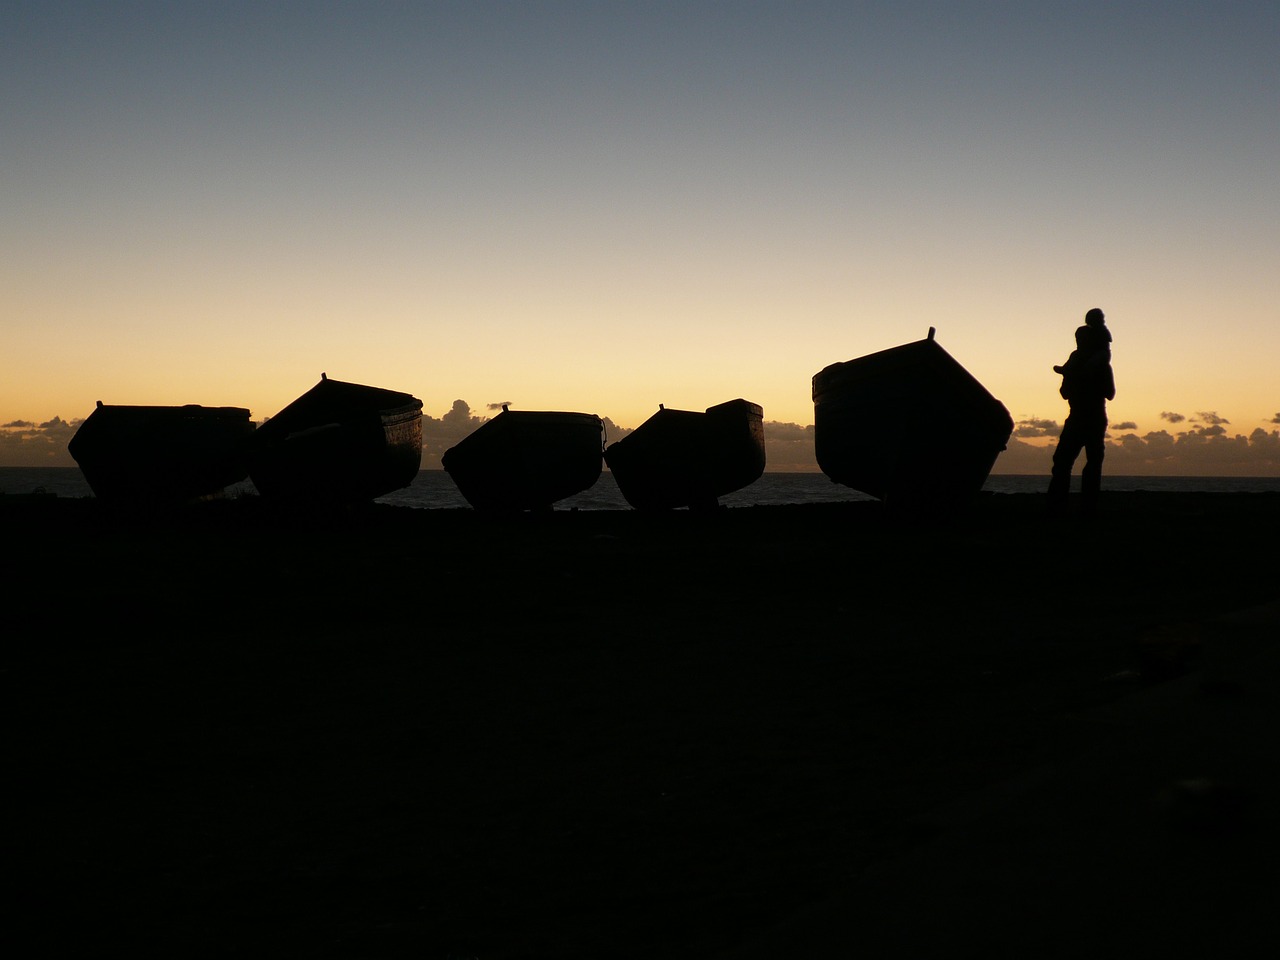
[{"x": 772, "y": 732}]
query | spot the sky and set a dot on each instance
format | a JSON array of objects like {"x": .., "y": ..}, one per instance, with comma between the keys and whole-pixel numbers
[{"x": 606, "y": 206}]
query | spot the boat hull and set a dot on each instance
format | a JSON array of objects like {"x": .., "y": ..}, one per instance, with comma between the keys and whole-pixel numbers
[
  {"x": 908, "y": 425},
  {"x": 162, "y": 454},
  {"x": 338, "y": 443},
  {"x": 527, "y": 459},
  {"x": 683, "y": 458}
]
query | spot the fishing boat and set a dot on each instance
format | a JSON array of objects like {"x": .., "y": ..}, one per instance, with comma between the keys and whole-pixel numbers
[
  {"x": 338, "y": 443},
  {"x": 161, "y": 454},
  {"x": 526, "y": 459},
  {"x": 683, "y": 458},
  {"x": 908, "y": 425}
]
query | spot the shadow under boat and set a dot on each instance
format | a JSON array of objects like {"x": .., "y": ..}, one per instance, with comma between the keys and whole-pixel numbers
[
  {"x": 338, "y": 443},
  {"x": 683, "y": 458},
  {"x": 161, "y": 455},
  {"x": 908, "y": 425},
  {"x": 527, "y": 459}
]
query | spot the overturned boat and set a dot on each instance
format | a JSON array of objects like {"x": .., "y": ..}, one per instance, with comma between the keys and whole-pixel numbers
[
  {"x": 908, "y": 425},
  {"x": 162, "y": 455},
  {"x": 527, "y": 459},
  {"x": 683, "y": 458},
  {"x": 338, "y": 443}
]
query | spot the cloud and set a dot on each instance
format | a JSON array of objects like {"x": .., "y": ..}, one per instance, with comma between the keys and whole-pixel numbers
[
  {"x": 788, "y": 447},
  {"x": 1276, "y": 418},
  {"x": 1172, "y": 417},
  {"x": 1036, "y": 427},
  {"x": 439, "y": 434},
  {"x": 27, "y": 444},
  {"x": 458, "y": 422},
  {"x": 787, "y": 432},
  {"x": 1124, "y": 425},
  {"x": 1204, "y": 449},
  {"x": 1265, "y": 441},
  {"x": 612, "y": 432},
  {"x": 1211, "y": 416},
  {"x": 496, "y": 407}
]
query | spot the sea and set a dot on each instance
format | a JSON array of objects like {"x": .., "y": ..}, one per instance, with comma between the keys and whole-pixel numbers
[{"x": 435, "y": 489}]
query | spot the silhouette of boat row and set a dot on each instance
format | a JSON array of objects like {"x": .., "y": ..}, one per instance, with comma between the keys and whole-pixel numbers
[{"x": 346, "y": 443}]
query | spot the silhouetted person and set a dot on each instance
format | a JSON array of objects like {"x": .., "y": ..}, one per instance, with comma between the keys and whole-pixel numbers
[
  {"x": 1093, "y": 348},
  {"x": 1087, "y": 384}
]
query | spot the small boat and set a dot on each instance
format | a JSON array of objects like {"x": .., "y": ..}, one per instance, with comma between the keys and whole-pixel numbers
[
  {"x": 683, "y": 458},
  {"x": 908, "y": 425},
  {"x": 527, "y": 459},
  {"x": 161, "y": 455},
  {"x": 338, "y": 443}
]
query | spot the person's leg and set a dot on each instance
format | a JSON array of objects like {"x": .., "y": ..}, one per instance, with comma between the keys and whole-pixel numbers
[
  {"x": 1095, "y": 448},
  {"x": 1064, "y": 457}
]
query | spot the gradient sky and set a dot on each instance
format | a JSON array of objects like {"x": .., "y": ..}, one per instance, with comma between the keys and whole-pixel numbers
[{"x": 603, "y": 206}]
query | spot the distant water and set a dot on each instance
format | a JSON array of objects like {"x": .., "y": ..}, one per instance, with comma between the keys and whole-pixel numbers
[{"x": 434, "y": 489}]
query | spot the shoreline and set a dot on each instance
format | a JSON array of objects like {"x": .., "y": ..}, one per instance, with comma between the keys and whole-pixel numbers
[
  {"x": 405, "y": 732},
  {"x": 434, "y": 489}
]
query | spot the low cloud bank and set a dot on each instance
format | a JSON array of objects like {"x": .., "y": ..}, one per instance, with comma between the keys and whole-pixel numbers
[
  {"x": 24, "y": 443},
  {"x": 1204, "y": 444},
  {"x": 1205, "y": 448}
]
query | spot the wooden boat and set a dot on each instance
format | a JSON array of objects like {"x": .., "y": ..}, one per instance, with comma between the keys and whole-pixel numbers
[
  {"x": 682, "y": 458},
  {"x": 338, "y": 443},
  {"x": 161, "y": 455},
  {"x": 908, "y": 425},
  {"x": 527, "y": 459}
]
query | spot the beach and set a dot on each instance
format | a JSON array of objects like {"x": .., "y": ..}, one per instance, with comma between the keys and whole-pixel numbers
[{"x": 771, "y": 731}]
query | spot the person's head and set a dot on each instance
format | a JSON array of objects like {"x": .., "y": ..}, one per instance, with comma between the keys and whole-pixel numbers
[{"x": 1095, "y": 317}]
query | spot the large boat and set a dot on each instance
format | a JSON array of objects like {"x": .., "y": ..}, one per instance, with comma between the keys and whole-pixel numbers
[
  {"x": 526, "y": 459},
  {"x": 908, "y": 425},
  {"x": 161, "y": 455},
  {"x": 338, "y": 443},
  {"x": 683, "y": 458}
]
